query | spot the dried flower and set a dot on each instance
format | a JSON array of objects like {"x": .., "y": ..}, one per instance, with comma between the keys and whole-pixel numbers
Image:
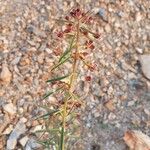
[
  {"x": 67, "y": 30},
  {"x": 89, "y": 20},
  {"x": 96, "y": 35},
  {"x": 92, "y": 67},
  {"x": 76, "y": 13},
  {"x": 67, "y": 17},
  {"x": 77, "y": 104},
  {"x": 85, "y": 33},
  {"x": 57, "y": 51},
  {"x": 88, "y": 78},
  {"x": 84, "y": 53},
  {"x": 72, "y": 13},
  {"x": 60, "y": 34},
  {"x": 89, "y": 44}
]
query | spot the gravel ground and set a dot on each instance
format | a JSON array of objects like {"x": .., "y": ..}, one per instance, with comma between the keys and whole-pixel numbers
[{"x": 117, "y": 98}]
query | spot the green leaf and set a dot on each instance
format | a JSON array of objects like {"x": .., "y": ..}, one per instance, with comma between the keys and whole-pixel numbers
[
  {"x": 45, "y": 107},
  {"x": 60, "y": 63},
  {"x": 51, "y": 92},
  {"x": 47, "y": 94},
  {"x": 50, "y": 113},
  {"x": 48, "y": 130},
  {"x": 46, "y": 143},
  {"x": 65, "y": 56},
  {"x": 68, "y": 50},
  {"x": 57, "y": 78},
  {"x": 43, "y": 143}
]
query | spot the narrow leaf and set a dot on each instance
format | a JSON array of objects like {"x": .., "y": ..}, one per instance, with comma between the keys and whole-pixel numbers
[
  {"x": 68, "y": 49},
  {"x": 51, "y": 92},
  {"x": 47, "y": 94},
  {"x": 60, "y": 63},
  {"x": 65, "y": 55},
  {"x": 57, "y": 79},
  {"x": 44, "y": 143},
  {"x": 45, "y": 107},
  {"x": 48, "y": 130},
  {"x": 50, "y": 113}
]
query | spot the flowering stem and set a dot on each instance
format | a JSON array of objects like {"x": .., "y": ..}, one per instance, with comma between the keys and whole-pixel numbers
[{"x": 70, "y": 89}]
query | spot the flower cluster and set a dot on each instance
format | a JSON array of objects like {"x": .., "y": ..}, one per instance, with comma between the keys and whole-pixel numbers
[
  {"x": 71, "y": 20},
  {"x": 75, "y": 16}
]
